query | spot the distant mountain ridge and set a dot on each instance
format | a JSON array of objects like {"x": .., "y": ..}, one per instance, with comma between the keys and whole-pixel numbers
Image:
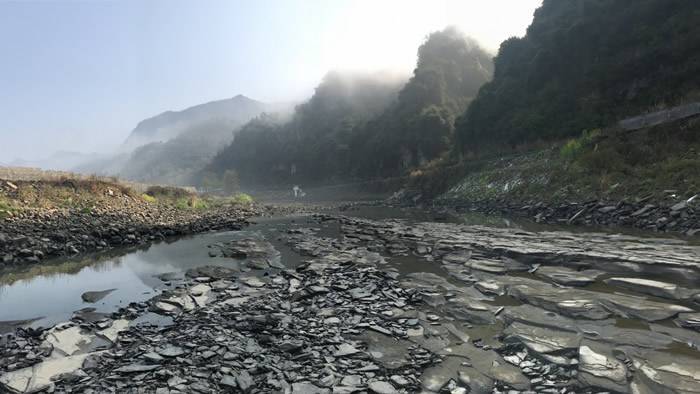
[
  {"x": 170, "y": 124},
  {"x": 171, "y": 147}
]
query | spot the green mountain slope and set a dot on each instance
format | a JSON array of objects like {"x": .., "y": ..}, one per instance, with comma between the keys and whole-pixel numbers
[
  {"x": 362, "y": 127},
  {"x": 582, "y": 65}
]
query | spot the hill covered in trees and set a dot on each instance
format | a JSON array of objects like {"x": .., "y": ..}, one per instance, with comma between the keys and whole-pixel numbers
[
  {"x": 318, "y": 142},
  {"x": 170, "y": 124},
  {"x": 173, "y": 147},
  {"x": 583, "y": 65},
  {"x": 360, "y": 126}
]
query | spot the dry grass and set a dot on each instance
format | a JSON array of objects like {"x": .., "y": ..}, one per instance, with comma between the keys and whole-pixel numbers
[
  {"x": 35, "y": 188},
  {"x": 37, "y": 174}
]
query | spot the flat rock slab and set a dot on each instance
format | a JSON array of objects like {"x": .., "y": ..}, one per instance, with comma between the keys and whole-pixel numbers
[
  {"x": 380, "y": 387},
  {"x": 94, "y": 296},
  {"x": 41, "y": 375},
  {"x": 651, "y": 287},
  {"x": 660, "y": 372},
  {"x": 593, "y": 305},
  {"x": 133, "y": 368},
  {"x": 386, "y": 350},
  {"x": 599, "y": 368},
  {"x": 112, "y": 332},
  {"x": 67, "y": 341},
  {"x": 567, "y": 276},
  {"x": 211, "y": 271},
  {"x": 487, "y": 362},
  {"x": 543, "y": 340}
]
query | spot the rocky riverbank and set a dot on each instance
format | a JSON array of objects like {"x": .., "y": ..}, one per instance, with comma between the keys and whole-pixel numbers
[
  {"x": 673, "y": 216},
  {"x": 390, "y": 306},
  {"x": 681, "y": 217},
  {"x": 330, "y": 324},
  {"x": 77, "y": 221}
]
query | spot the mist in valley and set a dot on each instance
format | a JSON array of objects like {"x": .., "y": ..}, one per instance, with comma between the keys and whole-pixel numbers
[
  {"x": 350, "y": 196},
  {"x": 342, "y": 76}
]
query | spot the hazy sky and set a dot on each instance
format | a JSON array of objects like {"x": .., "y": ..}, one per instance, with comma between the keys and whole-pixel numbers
[{"x": 79, "y": 75}]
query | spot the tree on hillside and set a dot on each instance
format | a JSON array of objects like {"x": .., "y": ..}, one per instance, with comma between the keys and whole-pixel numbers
[
  {"x": 419, "y": 127},
  {"x": 365, "y": 126},
  {"x": 582, "y": 65}
]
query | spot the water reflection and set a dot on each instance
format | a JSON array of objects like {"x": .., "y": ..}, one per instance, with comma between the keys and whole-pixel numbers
[{"x": 53, "y": 292}]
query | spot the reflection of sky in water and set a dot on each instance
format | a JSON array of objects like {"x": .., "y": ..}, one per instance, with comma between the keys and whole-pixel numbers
[{"x": 55, "y": 296}]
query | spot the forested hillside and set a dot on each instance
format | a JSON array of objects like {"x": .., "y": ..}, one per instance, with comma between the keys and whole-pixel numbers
[
  {"x": 170, "y": 124},
  {"x": 360, "y": 127},
  {"x": 179, "y": 159},
  {"x": 317, "y": 143},
  {"x": 586, "y": 64},
  {"x": 174, "y": 147}
]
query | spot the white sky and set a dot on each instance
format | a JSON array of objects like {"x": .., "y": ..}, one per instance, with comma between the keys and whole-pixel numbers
[{"x": 386, "y": 33}]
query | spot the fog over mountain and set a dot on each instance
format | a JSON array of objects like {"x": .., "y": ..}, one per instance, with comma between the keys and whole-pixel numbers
[
  {"x": 68, "y": 90},
  {"x": 480, "y": 196},
  {"x": 228, "y": 113},
  {"x": 171, "y": 147}
]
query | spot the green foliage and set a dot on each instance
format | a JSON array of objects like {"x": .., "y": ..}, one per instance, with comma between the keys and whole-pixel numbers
[
  {"x": 4, "y": 204},
  {"x": 242, "y": 198},
  {"x": 6, "y": 207},
  {"x": 585, "y": 64},
  {"x": 615, "y": 165},
  {"x": 359, "y": 127},
  {"x": 576, "y": 146},
  {"x": 571, "y": 150},
  {"x": 419, "y": 127},
  {"x": 182, "y": 203},
  {"x": 192, "y": 202},
  {"x": 148, "y": 198}
]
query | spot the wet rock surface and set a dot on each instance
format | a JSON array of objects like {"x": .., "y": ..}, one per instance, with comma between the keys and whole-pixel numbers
[{"x": 390, "y": 306}]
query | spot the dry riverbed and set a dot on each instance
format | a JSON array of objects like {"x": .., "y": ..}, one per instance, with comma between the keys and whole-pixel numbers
[{"x": 339, "y": 304}]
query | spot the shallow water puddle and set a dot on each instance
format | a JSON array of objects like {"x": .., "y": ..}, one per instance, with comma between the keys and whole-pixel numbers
[{"x": 53, "y": 292}]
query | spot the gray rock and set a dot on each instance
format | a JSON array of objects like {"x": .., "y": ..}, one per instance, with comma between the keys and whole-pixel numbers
[
  {"x": 171, "y": 351},
  {"x": 308, "y": 388},
  {"x": 599, "y": 368},
  {"x": 568, "y": 277},
  {"x": 380, "y": 387},
  {"x": 648, "y": 286},
  {"x": 228, "y": 381},
  {"x": 244, "y": 381},
  {"x": 131, "y": 368},
  {"x": 94, "y": 296},
  {"x": 345, "y": 349},
  {"x": 660, "y": 372},
  {"x": 543, "y": 340}
]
